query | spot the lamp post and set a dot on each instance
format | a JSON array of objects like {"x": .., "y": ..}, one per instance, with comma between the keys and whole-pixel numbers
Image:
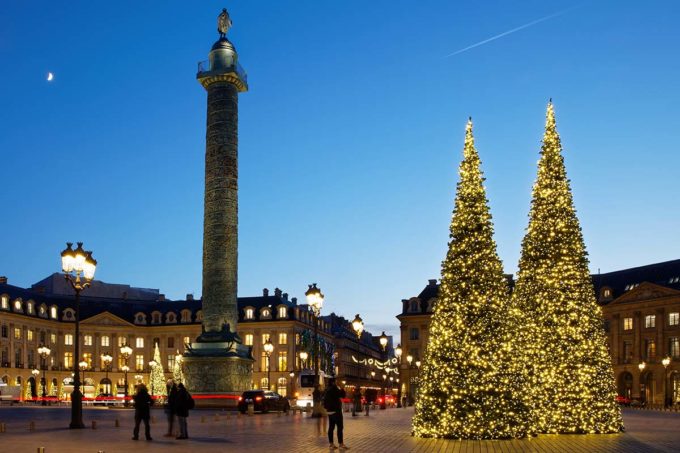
[
  {"x": 383, "y": 341},
  {"x": 666, "y": 361},
  {"x": 44, "y": 353},
  {"x": 641, "y": 367},
  {"x": 125, "y": 352},
  {"x": 82, "y": 365},
  {"x": 358, "y": 325},
  {"x": 372, "y": 375},
  {"x": 106, "y": 360},
  {"x": 268, "y": 349},
  {"x": 303, "y": 358},
  {"x": 75, "y": 263},
  {"x": 152, "y": 365},
  {"x": 315, "y": 301},
  {"x": 35, "y": 374},
  {"x": 397, "y": 353}
]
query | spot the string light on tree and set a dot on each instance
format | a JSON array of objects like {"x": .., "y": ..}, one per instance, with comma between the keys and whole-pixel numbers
[
  {"x": 469, "y": 388},
  {"x": 570, "y": 378}
]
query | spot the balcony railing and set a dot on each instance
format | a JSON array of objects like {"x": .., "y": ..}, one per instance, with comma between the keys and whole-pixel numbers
[{"x": 205, "y": 67}]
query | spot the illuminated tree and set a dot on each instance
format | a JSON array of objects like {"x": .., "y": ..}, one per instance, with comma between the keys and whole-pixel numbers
[
  {"x": 468, "y": 386},
  {"x": 571, "y": 383},
  {"x": 157, "y": 378},
  {"x": 177, "y": 372}
]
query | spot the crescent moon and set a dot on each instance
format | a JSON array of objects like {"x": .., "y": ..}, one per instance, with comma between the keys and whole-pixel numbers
[{"x": 50, "y": 76}]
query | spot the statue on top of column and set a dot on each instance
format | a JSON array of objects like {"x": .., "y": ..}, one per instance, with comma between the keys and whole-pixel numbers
[{"x": 223, "y": 23}]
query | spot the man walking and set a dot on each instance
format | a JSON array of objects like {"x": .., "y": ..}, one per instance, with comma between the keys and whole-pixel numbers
[
  {"x": 183, "y": 404},
  {"x": 143, "y": 403},
  {"x": 333, "y": 404},
  {"x": 170, "y": 407}
]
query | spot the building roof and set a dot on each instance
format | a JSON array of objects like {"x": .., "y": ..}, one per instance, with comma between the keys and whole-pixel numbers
[{"x": 665, "y": 274}]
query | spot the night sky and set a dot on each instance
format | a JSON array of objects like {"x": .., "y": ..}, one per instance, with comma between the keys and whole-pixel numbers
[{"x": 349, "y": 141}]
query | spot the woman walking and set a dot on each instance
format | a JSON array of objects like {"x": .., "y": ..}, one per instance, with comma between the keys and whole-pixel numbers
[
  {"x": 143, "y": 403},
  {"x": 183, "y": 404}
]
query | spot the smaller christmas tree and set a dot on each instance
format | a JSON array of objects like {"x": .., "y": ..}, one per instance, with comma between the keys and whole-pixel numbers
[
  {"x": 177, "y": 372},
  {"x": 28, "y": 395},
  {"x": 157, "y": 378}
]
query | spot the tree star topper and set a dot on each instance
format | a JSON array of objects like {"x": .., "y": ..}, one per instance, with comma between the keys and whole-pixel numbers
[{"x": 223, "y": 23}]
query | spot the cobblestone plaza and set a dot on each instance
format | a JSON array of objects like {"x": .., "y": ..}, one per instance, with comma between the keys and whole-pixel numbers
[{"x": 382, "y": 431}]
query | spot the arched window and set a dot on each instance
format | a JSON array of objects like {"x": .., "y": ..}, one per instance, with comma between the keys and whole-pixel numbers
[
  {"x": 140, "y": 318},
  {"x": 199, "y": 316},
  {"x": 156, "y": 317},
  {"x": 283, "y": 312},
  {"x": 29, "y": 307},
  {"x": 265, "y": 313},
  {"x": 53, "y": 312},
  {"x": 171, "y": 318},
  {"x": 4, "y": 304},
  {"x": 282, "y": 386},
  {"x": 186, "y": 315},
  {"x": 414, "y": 306},
  {"x": 18, "y": 305},
  {"x": 42, "y": 311},
  {"x": 264, "y": 383},
  {"x": 249, "y": 313}
]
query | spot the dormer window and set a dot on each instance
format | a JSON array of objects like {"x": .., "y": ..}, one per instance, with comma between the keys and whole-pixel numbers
[
  {"x": 171, "y": 318},
  {"x": 53, "y": 312},
  {"x": 186, "y": 315},
  {"x": 249, "y": 313},
  {"x": 156, "y": 317},
  {"x": 17, "y": 305},
  {"x": 414, "y": 306},
  {"x": 140, "y": 318},
  {"x": 42, "y": 311},
  {"x": 4, "y": 304},
  {"x": 607, "y": 292},
  {"x": 283, "y": 312},
  {"x": 266, "y": 314},
  {"x": 69, "y": 314},
  {"x": 199, "y": 316}
]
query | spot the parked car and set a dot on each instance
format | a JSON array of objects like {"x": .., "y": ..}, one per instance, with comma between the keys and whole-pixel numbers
[
  {"x": 623, "y": 400},
  {"x": 262, "y": 401},
  {"x": 104, "y": 399}
]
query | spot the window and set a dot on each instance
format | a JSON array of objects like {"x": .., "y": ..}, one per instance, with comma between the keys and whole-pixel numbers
[
  {"x": 283, "y": 312},
  {"x": 139, "y": 362},
  {"x": 29, "y": 335},
  {"x": 283, "y": 338},
  {"x": 282, "y": 386},
  {"x": 607, "y": 292},
  {"x": 674, "y": 346},
  {"x": 68, "y": 339},
  {"x": 627, "y": 323},
  {"x": 265, "y": 337},
  {"x": 155, "y": 318},
  {"x": 17, "y": 305},
  {"x": 105, "y": 340},
  {"x": 171, "y": 361},
  {"x": 122, "y": 341},
  {"x": 17, "y": 333},
  {"x": 186, "y": 316},
  {"x": 283, "y": 361},
  {"x": 187, "y": 340},
  {"x": 415, "y": 333},
  {"x": 297, "y": 339},
  {"x": 29, "y": 308},
  {"x": 140, "y": 318},
  {"x": 68, "y": 360},
  {"x": 18, "y": 359},
  {"x": 265, "y": 313},
  {"x": 249, "y": 313},
  {"x": 650, "y": 349},
  {"x": 5, "y": 303},
  {"x": 171, "y": 342},
  {"x": 87, "y": 340},
  {"x": 627, "y": 351},
  {"x": 249, "y": 339},
  {"x": 650, "y": 321},
  {"x": 5, "y": 331},
  {"x": 53, "y": 338},
  {"x": 171, "y": 318},
  {"x": 414, "y": 306},
  {"x": 53, "y": 312},
  {"x": 42, "y": 337},
  {"x": 87, "y": 357},
  {"x": 264, "y": 383},
  {"x": 263, "y": 361},
  {"x": 673, "y": 319},
  {"x": 139, "y": 342}
]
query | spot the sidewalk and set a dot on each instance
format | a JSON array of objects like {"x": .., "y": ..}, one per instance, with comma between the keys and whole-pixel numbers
[{"x": 383, "y": 431}]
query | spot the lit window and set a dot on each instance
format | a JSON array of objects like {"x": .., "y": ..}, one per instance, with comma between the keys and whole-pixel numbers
[
  {"x": 249, "y": 313},
  {"x": 627, "y": 323},
  {"x": 263, "y": 361},
  {"x": 249, "y": 339},
  {"x": 17, "y": 333},
  {"x": 53, "y": 312},
  {"x": 139, "y": 362},
  {"x": 297, "y": 339},
  {"x": 264, "y": 383},
  {"x": 87, "y": 357},
  {"x": 265, "y": 313},
  {"x": 283, "y": 312},
  {"x": 281, "y": 386},
  {"x": 187, "y": 340},
  {"x": 607, "y": 292},
  {"x": 68, "y": 339},
  {"x": 265, "y": 337},
  {"x": 87, "y": 340},
  {"x": 283, "y": 361},
  {"x": 650, "y": 321},
  {"x": 5, "y": 302},
  {"x": 29, "y": 308},
  {"x": 139, "y": 342},
  {"x": 650, "y": 349},
  {"x": 53, "y": 338},
  {"x": 42, "y": 310},
  {"x": 68, "y": 360},
  {"x": 122, "y": 341},
  {"x": 673, "y": 319},
  {"x": 17, "y": 305},
  {"x": 171, "y": 361},
  {"x": 105, "y": 340},
  {"x": 283, "y": 338},
  {"x": 674, "y": 346},
  {"x": 29, "y": 335}
]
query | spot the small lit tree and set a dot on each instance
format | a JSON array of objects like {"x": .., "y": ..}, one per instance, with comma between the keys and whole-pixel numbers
[
  {"x": 177, "y": 372},
  {"x": 157, "y": 379}
]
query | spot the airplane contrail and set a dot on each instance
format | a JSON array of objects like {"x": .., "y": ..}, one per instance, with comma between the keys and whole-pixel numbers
[{"x": 505, "y": 33}]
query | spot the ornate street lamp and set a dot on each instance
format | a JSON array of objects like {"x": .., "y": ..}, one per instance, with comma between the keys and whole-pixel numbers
[
  {"x": 44, "y": 353},
  {"x": 106, "y": 360},
  {"x": 268, "y": 349},
  {"x": 409, "y": 359},
  {"x": 315, "y": 300},
  {"x": 383, "y": 340},
  {"x": 74, "y": 264},
  {"x": 665, "y": 362},
  {"x": 125, "y": 352},
  {"x": 358, "y": 325},
  {"x": 418, "y": 364},
  {"x": 641, "y": 367},
  {"x": 397, "y": 353},
  {"x": 82, "y": 365},
  {"x": 303, "y": 358},
  {"x": 152, "y": 365}
]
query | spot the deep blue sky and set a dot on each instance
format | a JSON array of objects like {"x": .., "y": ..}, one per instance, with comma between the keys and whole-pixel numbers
[{"x": 350, "y": 136}]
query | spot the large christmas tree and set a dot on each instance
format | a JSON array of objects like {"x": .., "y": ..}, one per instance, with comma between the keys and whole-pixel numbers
[
  {"x": 157, "y": 378},
  {"x": 571, "y": 384},
  {"x": 468, "y": 388}
]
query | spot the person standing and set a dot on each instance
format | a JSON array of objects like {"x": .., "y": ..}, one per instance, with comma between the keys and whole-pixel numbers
[
  {"x": 183, "y": 404},
  {"x": 356, "y": 401},
  {"x": 332, "y": 402},
  {"x": 318, "y": 410},
  {"x": 170, "y": 407},
  {"x": 143, "y": 403}
]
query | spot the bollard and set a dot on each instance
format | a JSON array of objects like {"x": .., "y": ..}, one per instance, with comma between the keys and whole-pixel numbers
[
  {"x": 117, "y": 424},
  {"x": 94, "y": 424},
  {"x": 41, "y": 449},
  {"x": 31, "y": 426}
]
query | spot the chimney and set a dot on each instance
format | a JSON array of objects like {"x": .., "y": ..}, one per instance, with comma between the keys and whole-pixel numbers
[
  {"x": 285, "y": 297},
  {"x": 294, "y": 300},
  {"x": 3, "y": 280},
  {"x": 277, "y": 292},
  {"x": 161, "y": 298},
  {"x": 265, "y": 292},
  {"x": 432, "y": 282},
  {"x": 124, "y": 295},
  {"x": 190, "y": 296}
]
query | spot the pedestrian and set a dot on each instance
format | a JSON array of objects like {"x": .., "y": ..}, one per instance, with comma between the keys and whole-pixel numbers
[
  {"x": 356, "y": 401},
  {"x": 170, "y": 407},
  {"x": 183, "y": 404},
  {"x": 332, "y": 402},
  {"x": 318, "y": 411},
  {"x": 143, "y": 403}
]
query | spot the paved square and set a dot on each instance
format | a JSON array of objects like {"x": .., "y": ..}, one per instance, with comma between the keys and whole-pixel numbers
[{"x": 382, "y": 431}]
